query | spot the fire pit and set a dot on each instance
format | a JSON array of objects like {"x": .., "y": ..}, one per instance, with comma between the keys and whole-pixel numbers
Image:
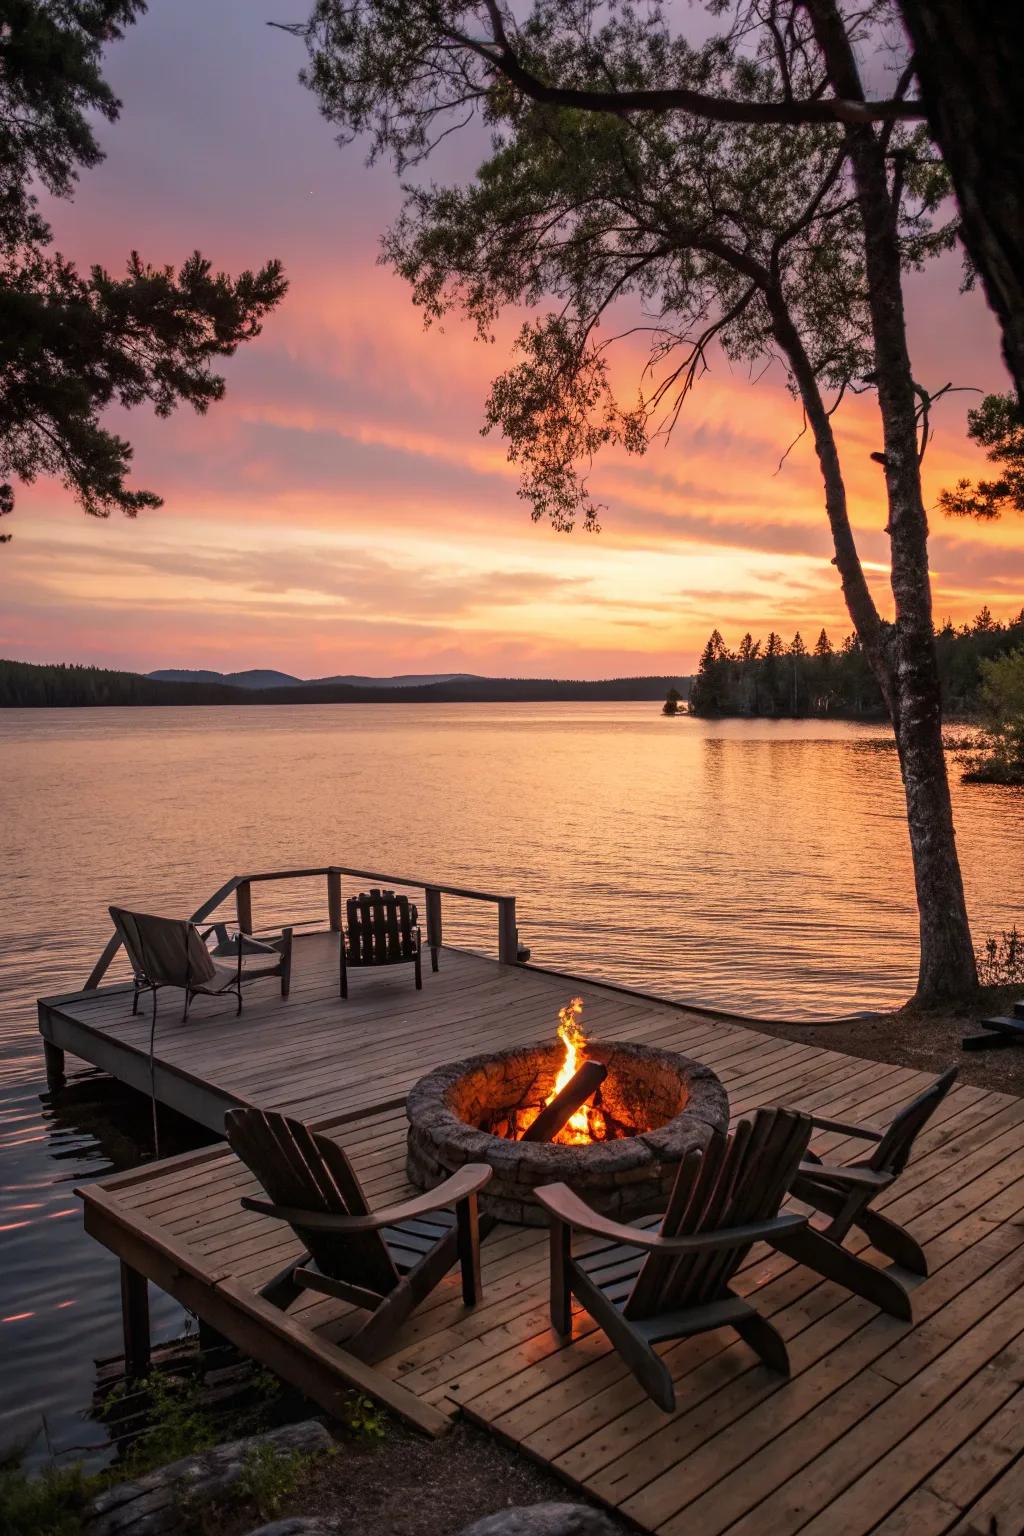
[{"x": 618, "y": 1150}]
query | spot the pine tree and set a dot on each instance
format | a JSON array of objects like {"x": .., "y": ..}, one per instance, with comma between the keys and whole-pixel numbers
[
  {"x": 73, "y": 344},
  {"x": 823, "y": 645}
]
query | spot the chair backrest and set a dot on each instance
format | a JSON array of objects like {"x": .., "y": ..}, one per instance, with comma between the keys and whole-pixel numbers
[
  {"x": 166, "y": 950},
  {"x": 380, "y": 928},
  {"x": 893, "y": 1151},
  {"x": 732, "y": 1183},
  {"x": 299, "y": 1168}
]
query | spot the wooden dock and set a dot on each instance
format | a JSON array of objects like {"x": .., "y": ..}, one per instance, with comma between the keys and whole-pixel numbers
[{"x": 884, "y": 1427}]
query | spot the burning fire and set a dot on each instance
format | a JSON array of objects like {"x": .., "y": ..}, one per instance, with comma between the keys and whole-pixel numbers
[{"x": 587, "y": 1123}]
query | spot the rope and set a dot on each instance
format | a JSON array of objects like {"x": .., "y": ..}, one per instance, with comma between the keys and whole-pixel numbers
[{"x": 152, "y": 1079}]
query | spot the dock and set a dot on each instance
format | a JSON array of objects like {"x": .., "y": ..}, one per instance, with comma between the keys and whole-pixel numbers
[{"x": 883, "y": 1427}]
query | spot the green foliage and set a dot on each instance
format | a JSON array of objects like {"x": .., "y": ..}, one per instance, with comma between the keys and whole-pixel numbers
[
  {"x": 997, "y": 425},
  {"x": 690, "y": 230},
  {"x": 48, "y": 1503},
  {"x": 176, "y": 1425},
  {"x": 72, "y": 344},
  {"x": 176, "y": 1422},
  {"x": 1001, "y": 961},
  {"x": 363, "y": 1418},
  {"x": 997, "y": 756},
  {"x": 976, "y": 672},
  {"x": 270, "y": 1476}
]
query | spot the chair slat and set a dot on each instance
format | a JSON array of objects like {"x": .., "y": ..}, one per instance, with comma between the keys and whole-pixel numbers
[
  {"x": 300, "y": 1169},
  {"x": 892, "y": 1153},
  {"x": 732, "y": 1184}
]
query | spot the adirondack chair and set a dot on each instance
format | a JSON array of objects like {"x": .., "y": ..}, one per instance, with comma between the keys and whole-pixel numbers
[
  {"x": 383, "y": 929},
  {"x": 171, "y": 952},
  {"x": 645, "y": 1285},
  {"x": 845, "y": 1194},
  {"x": 386, "y": 1261}
]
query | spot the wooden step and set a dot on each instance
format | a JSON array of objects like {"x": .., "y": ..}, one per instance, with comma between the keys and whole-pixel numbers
[
  {"x": 1005, "y": 1025},
  {"x": 999, "y": 1032}
]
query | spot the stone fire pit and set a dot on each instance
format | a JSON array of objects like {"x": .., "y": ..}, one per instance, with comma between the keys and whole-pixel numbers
[{"x": 661, "y": 1105}]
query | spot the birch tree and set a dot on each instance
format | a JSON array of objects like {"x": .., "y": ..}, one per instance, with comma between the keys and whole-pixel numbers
[{"x": 744, "y": 192}]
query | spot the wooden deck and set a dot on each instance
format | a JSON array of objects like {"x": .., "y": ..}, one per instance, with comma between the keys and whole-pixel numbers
[{"x": 884, "y": 1427}]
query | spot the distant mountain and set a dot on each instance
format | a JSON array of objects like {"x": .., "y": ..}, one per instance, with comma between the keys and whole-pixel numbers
[
  {"x": 269, "y": 679},
  {"x": 404, "y": 680},
  {"x": 26, "y": 685},
  {"x": 478, "y": 690},
  {"x": 252, "y": 679}
]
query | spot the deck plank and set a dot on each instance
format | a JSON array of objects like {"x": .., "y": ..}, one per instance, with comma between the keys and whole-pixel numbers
[{"x": 884, "y": 1427}]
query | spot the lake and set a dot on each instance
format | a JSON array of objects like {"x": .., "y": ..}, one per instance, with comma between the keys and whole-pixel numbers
[{"x": 760, "y": 867}]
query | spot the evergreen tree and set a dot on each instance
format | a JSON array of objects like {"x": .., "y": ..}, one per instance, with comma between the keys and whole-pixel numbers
[
  {"x": 842, "y": 682},
  {"x": 997, "y": 424},
  {"x": 71, "y": 344}
]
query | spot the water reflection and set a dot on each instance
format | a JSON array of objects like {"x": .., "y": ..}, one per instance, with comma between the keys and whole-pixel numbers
[
  {"x": 756, "y": 866},
  {"x": 59, "y": 1306}
]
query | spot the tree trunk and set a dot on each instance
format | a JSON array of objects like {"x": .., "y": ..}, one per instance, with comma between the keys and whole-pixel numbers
[
  {"x": 947, "y": 966},
  {"x": 968, "y": 60}
]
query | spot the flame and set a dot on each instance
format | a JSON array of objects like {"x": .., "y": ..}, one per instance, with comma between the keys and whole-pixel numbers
[{"x": 588, "y": 1123}]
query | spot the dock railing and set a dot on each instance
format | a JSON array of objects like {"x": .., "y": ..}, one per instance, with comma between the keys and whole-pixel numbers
[{"x": 240, "y": 886}]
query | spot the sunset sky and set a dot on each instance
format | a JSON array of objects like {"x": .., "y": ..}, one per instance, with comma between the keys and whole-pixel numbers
[{"x": 340, "y": 512}]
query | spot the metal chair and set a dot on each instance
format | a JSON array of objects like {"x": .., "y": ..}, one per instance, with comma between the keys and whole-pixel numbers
[{"x": 171, "y": 952}]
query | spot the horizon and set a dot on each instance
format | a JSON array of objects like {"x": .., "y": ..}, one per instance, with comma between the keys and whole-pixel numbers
[
  {"x": 340, "y": 501},
  {"x": 151, "y": 672}
]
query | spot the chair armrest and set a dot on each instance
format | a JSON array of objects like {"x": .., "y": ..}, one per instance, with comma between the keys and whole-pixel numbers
[
  {"x": 844, "y": 1178},
  {"x": 468, "y": 1181},
  {"x": 561, "y": 1203},
  {"x": 229, "y": 945},
  {"x": 459, "y": 1187},
  {"x": 844, "y": 1128}
]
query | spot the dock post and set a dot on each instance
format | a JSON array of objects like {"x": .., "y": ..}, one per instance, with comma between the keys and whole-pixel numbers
[
  {"x": 243, "y": 906},
  {"x": 334, "y": 899},
  {"x": 433, "y": 901},
  {"x": 135, "y": 1319},
  {"x": 508, "y": 933},
  {"x": 54, "y": 1058}
]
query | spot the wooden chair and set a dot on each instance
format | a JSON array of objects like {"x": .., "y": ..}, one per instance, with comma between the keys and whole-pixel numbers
[
  {"x": 646, "y": 1285},
  {"x": 386, "y": 1261},
  {"x": 171, "y": 952},
  {"x": 383, "y": 929},
  {"x": 845, "y": 1194}
]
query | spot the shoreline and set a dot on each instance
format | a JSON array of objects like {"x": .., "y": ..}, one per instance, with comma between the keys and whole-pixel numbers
[{"x": 926, "y": 1039}]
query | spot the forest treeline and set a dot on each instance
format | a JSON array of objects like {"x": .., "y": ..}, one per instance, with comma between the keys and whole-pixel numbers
[
  {"x": 772, "y": 678},
  {"x": 25, "y": 685}
]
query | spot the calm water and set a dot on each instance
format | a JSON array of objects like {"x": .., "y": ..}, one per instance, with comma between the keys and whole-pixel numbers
[{"x": 760, "y": 867}]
